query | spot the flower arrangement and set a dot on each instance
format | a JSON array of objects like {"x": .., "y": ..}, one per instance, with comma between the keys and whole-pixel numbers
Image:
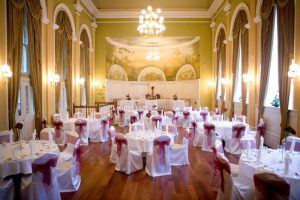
[
  {"x": 128, "y": 97},
  {"x": 19, "y": 126},
  {"x": 175, "y": 97},
  {"x": 157, "y": 96},
  {"x": 147, "y": 96},
  {"x": 276, "y": 102}
]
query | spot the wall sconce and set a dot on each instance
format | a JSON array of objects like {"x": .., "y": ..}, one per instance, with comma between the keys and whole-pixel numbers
[
  {"x": 99, "y": 84},
  {"x": 294, "y": 70},
  {"x": 224, "y": 81},
  {"x": 53, "y": 80},
  {"x": 6, "y": 71},
  {"x": 81, "y": 81},
  {"x": 247, "y": 78}
]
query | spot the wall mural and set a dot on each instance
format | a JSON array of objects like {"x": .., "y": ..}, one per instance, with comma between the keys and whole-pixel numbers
[{"x": 179, "y": 59}]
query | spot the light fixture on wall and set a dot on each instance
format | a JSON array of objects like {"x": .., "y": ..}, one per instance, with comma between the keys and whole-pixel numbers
[
  {"x": 53, "y": 80},
  {"x": 152, "y": 55},
  {"x": 99, "y": 84},
  {"x": 224, "y": 81},
  {"x": 294, "y": 70},
  {"x": 151, "y": 23},
  {"x": 247, "y": 78},
  {"x": 211, "y": 83},
  {"x": 5, "y": 71},
  {"x": 81, "y": 81}
]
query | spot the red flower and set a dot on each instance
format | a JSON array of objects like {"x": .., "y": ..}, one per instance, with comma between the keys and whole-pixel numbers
[{"x": 19, "y": 126}]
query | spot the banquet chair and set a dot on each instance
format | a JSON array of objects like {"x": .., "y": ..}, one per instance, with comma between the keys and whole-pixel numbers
[
  {"x": 179, "y": 153},
  {"x": 158, "y": 162},
  {"x": 71, "y": 138},
  {"x": 156, "y": 122},
  {"x": 133, "y": 118},
  {"x": 122, "y": 118},
  {"x": 204, "y": 115},
  {"x": 59, "y": 132},
  {"x": 170, "y": 114},
  {"x": 127, "y": 161},
  {"x": 241, "y": 118},
  {"x": 81, "y": 130},
  {"x": 140, "y": 114},
  {"x": 68, "y": 172},
  {"x": 112, "y": 144},
  {"x": 7, "y": 189},
  {"x": 47, "y": 134},
  {"x": 78, "y": 115},
  {"x": 186, "y": 122},
  {"x": 97, "y": 115},
  {"x": 271, "y": 186},
  {"x": 137, "y": 127},
  {"x": 171, "y": 128},
  {"x": 233, "y": 145},
  {"x": 260, "y": 131},
  {"x": 42, "y": 183},
  {"x": 197, "y": 134},
  {"x": 209, "y": 136},
  {"x": 232, "y": 188},
  {"x": 289, "y": 141},
  {"x": 100, "y": 133},
  {"x": 6, "y": 136},
  {"x": 56, "y": 117}
]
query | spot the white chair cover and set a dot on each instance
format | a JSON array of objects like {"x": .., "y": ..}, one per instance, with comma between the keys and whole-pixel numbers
[
  {"x": 67, "y": 154},
  {"x": 158, "y": 162},
  {"x": 69, "y": 178},
  {"x": 81, "y": 130},
  {"x": 209, "y": 136},
  {"x": 137, "y": 127},
  {"x": 56, "y": 117},
  {"x": 232, "y": 188},
  {"x": 6, "y": 189},
  {"x": 112, "y": 144},
  {"x": 100, "y": 134},
  {"x": 186, "y": 121},
  {"x": 127, "y": 161},
  {"x": 233, "y": 146},
  {"x": 289, "y": 141},
  {"x": 122, "y": 118},
  {"x": 171, "y": 128},
  {"x": 198, "y": 134},
  {"x": 36, "y": 186},
  {"x": 6, "y": 136},
  {"x": 47, "y": 134},
  {"x": 180, "y": 152},
  {"x": 59, "y": 132}
]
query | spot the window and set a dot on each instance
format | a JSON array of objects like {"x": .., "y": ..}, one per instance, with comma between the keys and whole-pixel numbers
[
  {"x": 272, "y": 87},
  {"x": 63, "y": 105},
  {"x": 238, "y": 77}
]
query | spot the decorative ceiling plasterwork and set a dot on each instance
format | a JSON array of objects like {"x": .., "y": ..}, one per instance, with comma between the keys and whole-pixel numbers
[
  {"x": 179, "y": 59},
  {"x": 168, "y": 13}
]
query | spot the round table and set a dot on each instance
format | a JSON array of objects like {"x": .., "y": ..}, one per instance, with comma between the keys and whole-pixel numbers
[
  {"x": 15, "y": 161},
  {"x": 272, "y": 161},
  {"x": 142, "y": 141}
]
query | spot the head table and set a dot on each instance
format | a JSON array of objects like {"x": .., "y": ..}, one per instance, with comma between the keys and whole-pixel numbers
[
  {"x": 14, "y": 160},
  {"x": 273, "y": 161}
]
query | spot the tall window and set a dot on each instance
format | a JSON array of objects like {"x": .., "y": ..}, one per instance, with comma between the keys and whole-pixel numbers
[
  {"x": 63, "y": 103},
  {"x": 238, "y": 77}
]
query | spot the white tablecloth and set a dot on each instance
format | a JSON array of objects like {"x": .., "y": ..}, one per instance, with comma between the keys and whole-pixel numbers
[
  {"x": 271, "y": 161},
  {"x": 14, "y": 161},
  {"x": 143, "y": 141}
]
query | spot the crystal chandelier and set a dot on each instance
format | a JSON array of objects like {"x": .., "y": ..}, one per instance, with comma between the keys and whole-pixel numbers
[
  {"x": 151, "y": 24},
  {"x": 152, "y": 55}
]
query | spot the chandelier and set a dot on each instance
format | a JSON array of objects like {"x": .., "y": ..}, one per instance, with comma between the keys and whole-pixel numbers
[
  {"x": 151, "y": 24},
  {"x": 152, "y": 55}
]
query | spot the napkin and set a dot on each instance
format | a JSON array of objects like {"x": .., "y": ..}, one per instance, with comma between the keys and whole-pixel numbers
[
  {"x": 292, "y": 146},
  {"x": 287, "y": 162}
]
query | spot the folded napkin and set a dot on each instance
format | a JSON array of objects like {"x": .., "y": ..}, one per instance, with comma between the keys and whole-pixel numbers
[{"x": 287, "y": 162}]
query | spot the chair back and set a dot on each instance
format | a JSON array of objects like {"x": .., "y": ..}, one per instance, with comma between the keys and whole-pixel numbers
[
  {"x": 56, "y": 117},
  {"x": 160, "y": 144},
  {"x": 58, "y": 128},
  {"x": 171, "y": 128},
  {"x": 271, "y": 186},
  {"x": 137, "y": 126},
  {"x": 44, "y": 123},
  {"x": 46, "y": 134},
  {"x": 80, "y": 127},
  {"x": 186, "y": 114},
  {"x": 241, "y": 118},
  {"x": 120, "y": 141},
  {"x": 97, "y": 115},
  {"x": 76, "y": 157},
  {"x": 209, "y": 131},
  {"x": 204, "y": 115},
  {"x": 170, "y": 114},
  {"x": 72, "y": 137},
  {"x": 6, "y": 136},
  {"x": 133, "y": 119},
  {"x": 261, "y": 128},
  {"x": 289, "y": 143},
  {"x": 238, "y": 130},
  {"x": 155, "y": 120},
  {"x": 78, "y": 115},
  {"x": 222, "y": 165}
]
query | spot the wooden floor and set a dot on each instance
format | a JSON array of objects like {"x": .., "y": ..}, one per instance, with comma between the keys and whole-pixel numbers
[{"x": 101, "y": 181}]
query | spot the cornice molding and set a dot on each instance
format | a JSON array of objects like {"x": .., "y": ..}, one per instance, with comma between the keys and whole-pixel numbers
[{"x": 175, "y": 14}]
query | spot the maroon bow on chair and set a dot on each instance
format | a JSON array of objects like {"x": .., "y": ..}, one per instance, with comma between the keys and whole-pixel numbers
[
  {"x": 119, "y": 142},
  {"x": 140, "y": 112},
  {"x": 58, "y": 125},
  {"x": 218, "y": 165},
  {"x": 104, "y": 123},
  {"x": 208, "y": 128},
  {"x": 204, "y": 115},
  {"x": 186, "y": 114},
  {"x": 261, "y": 129},
  {"x": 113, "y": 114},
  {"x": 44, "y": 123},
  {"x": 238, "y": 129},
  {"x": 80, "y": 124},
  {"x": 161, "y": 142},
  {"x": 45, "y": 169},
  {"x": 155, "y": 119},
  {"x": 121, "y": 112},
  {"x": 194, "y": 126},
  {"x": 77, "y": 154},
  {"x": 133, "y": 119}
]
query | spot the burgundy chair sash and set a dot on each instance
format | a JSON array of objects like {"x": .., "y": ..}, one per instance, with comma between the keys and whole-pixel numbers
[
  {"x": 186, "y": 114},
  {"x": 208, "y": 128},
  {"x": 19, "y": 125},
  {"x": 238, "y": 130},
  {"x": 175, "y": 118},
  {"x": 155, "y": 119},
  {"x": 44, "y": 123},
  {"x": 204, "y": 115},
  {"x": 148, "y": 114},
  {"x": 119, "y": 142},
  {"x": 77, "y": 154},
  {"x": 133, "y": 119},
  {"x": 58, "y": 125},
  {"x": 104, "y": 123},
  {"x": 140, "y": 112},
  {"x": 261, "y": 129},
  {"x": 217, "y": 112},
  {"x": 80, "y": 124},
  {"x": 113, "y": 114},
  {"x": 271, "y": 186},
  {"x": 174, "y": 112},
  {"x": 45, "y": 169},
  {"x": 161, "y": 142},
  {"x": 220, "y": 166},
  {"x": 159, "y": 112},
  {"x": 121, "y": 112},
  {"x": 194, "y": 126}
]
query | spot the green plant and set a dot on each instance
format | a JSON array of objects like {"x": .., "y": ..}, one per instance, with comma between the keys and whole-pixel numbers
[{"x": 276, "y": 102}]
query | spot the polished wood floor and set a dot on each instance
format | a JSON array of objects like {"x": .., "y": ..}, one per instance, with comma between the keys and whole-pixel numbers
[{"x": 101, "y": 181}]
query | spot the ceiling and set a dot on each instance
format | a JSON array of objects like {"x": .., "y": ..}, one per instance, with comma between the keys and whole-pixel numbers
[{"x": 163, "y": 4}]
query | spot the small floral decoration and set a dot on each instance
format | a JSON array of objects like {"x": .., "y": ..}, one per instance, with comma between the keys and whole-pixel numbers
[{"x": 276, "y": 102}]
